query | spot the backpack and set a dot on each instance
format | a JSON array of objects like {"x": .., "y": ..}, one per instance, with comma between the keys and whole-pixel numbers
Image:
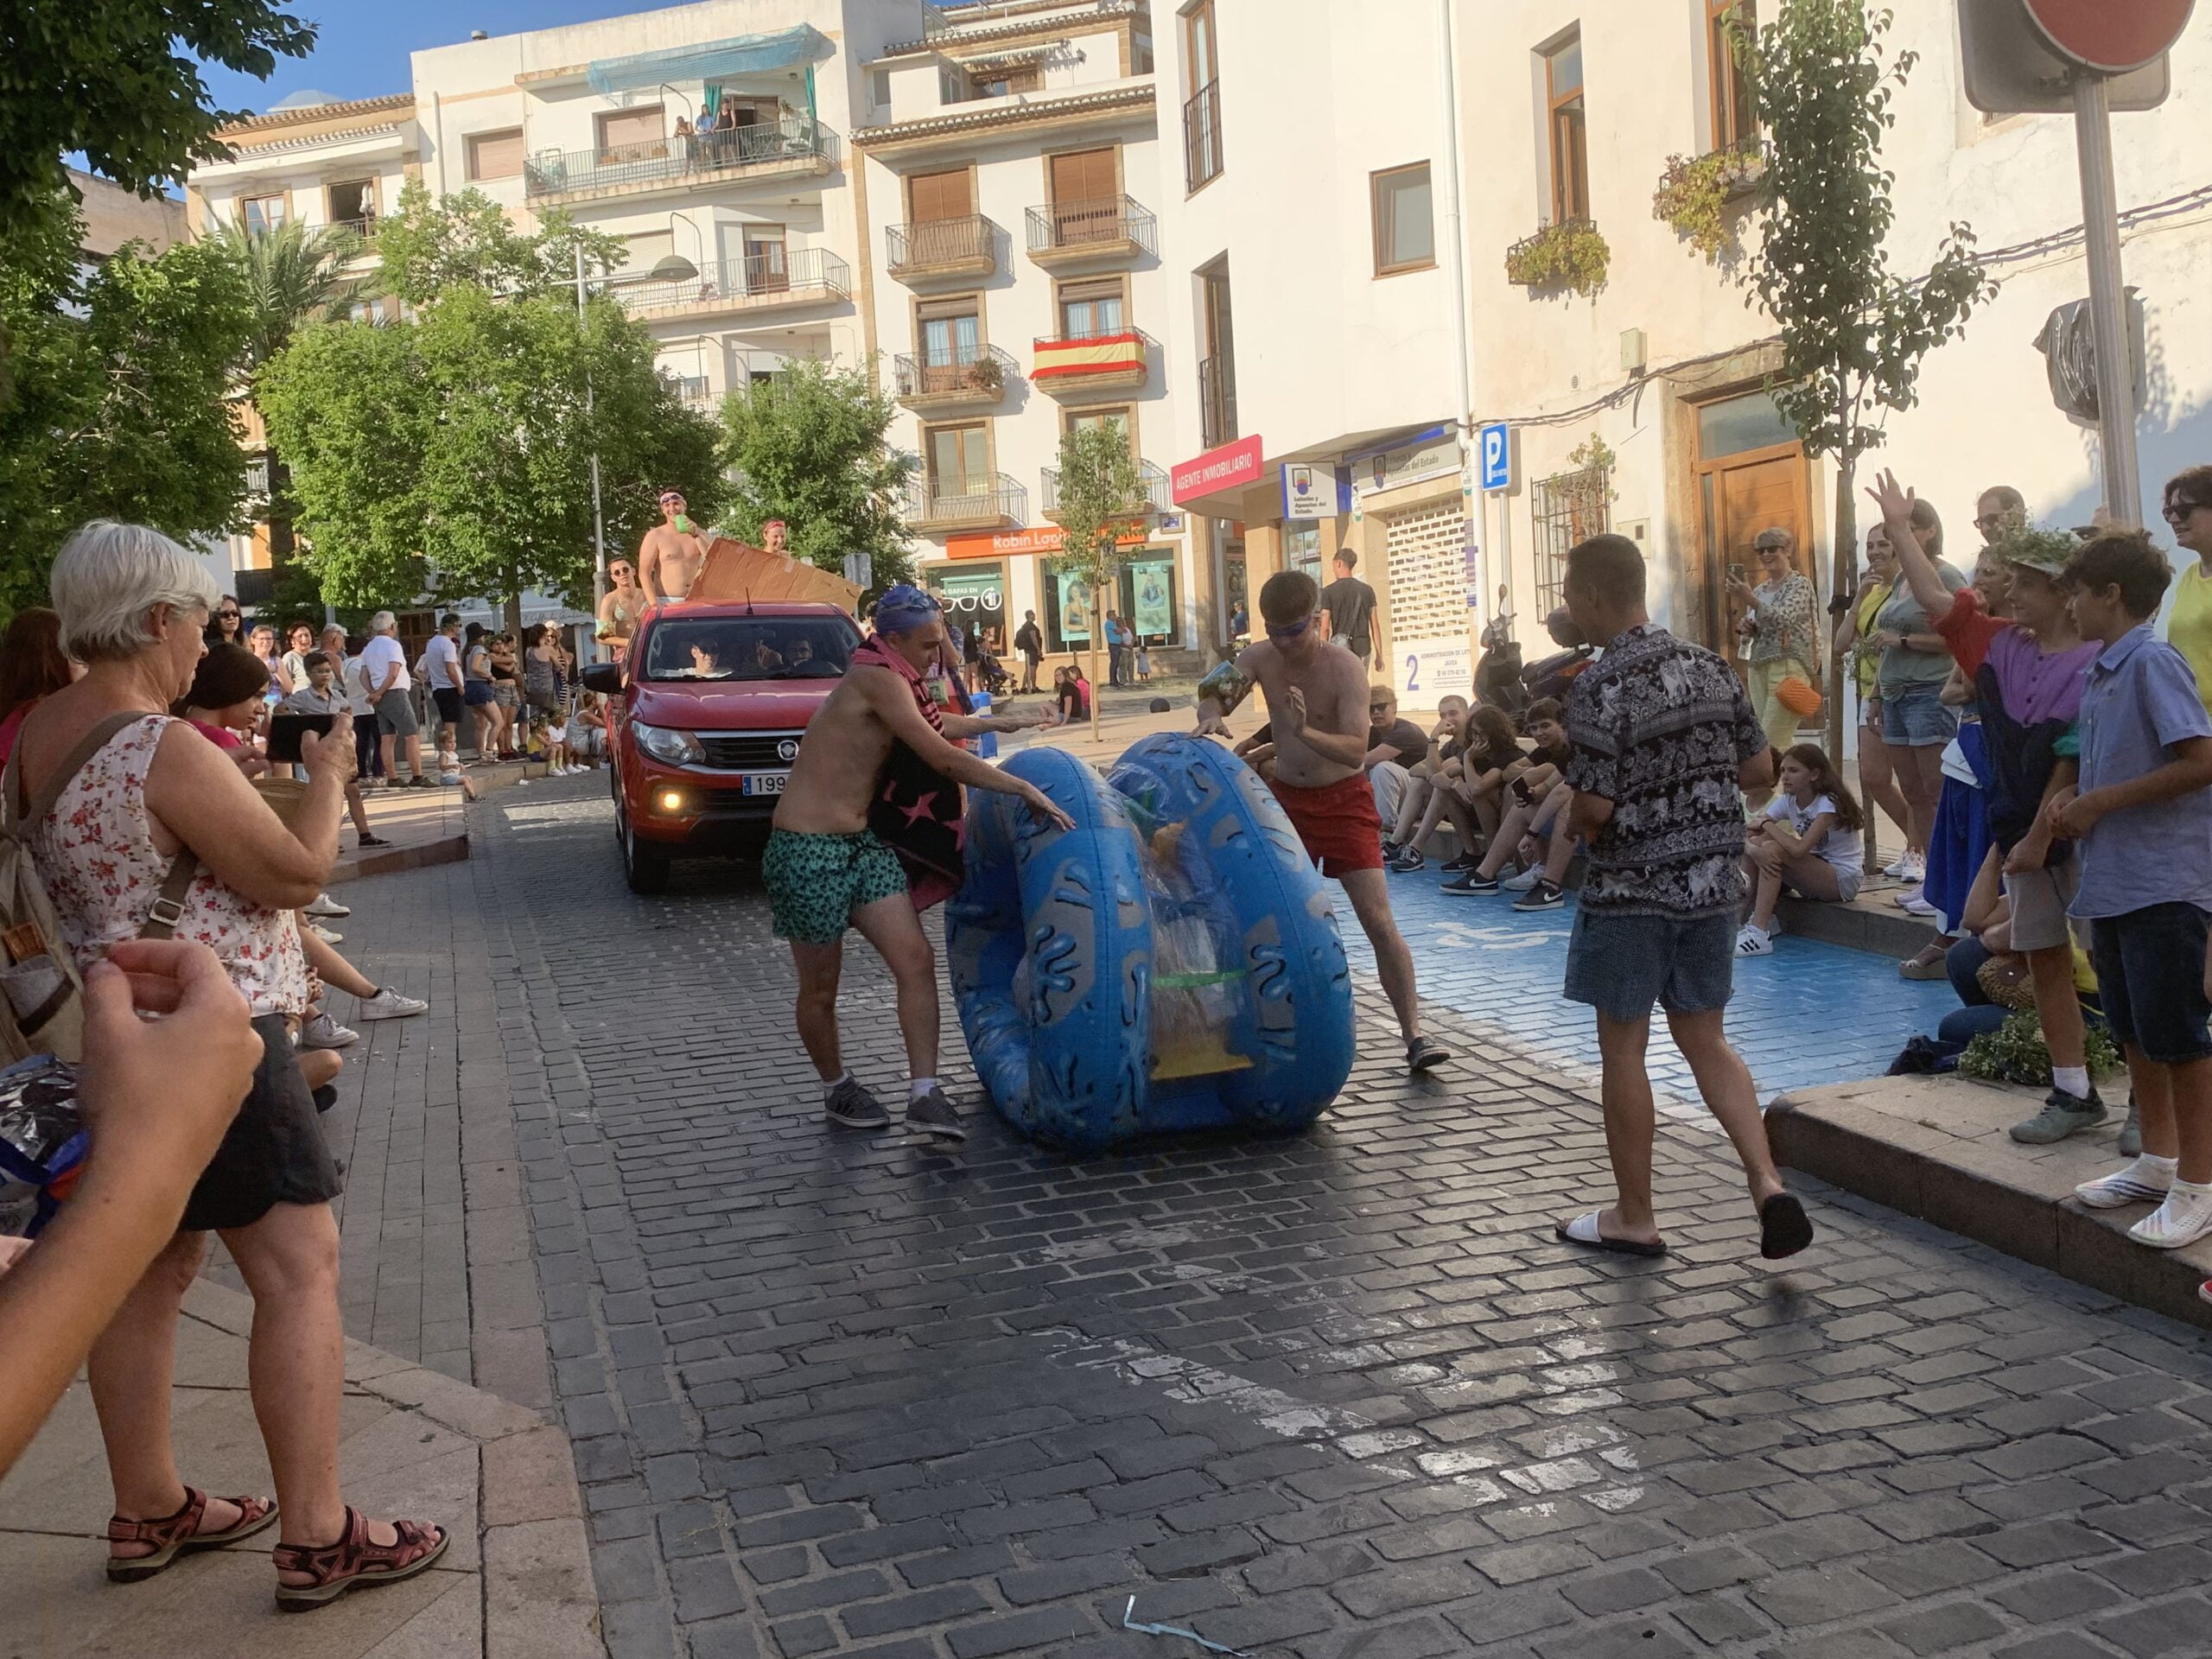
[{"x": 41, "y": 1011}]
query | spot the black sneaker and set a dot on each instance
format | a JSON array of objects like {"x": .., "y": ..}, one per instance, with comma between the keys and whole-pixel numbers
[
  {"x": 373, "y": 840},
  {"x": 1391, "y": 850},
  {"x": 325, "y": 1097},
  {"x": 1464, "y": 864},
  {"x": 1471, "y": 885},
  {"x": 1405, "y": 859},
  {"x": 853, "y": 1107},
  {"x": 1542, "y": 896},
  {"x": 934, "y": 1114},
  {"x": 1425, "y": 1054}
]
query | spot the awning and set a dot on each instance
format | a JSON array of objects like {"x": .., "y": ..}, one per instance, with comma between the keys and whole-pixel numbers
[{"x": 744, "y": 55}]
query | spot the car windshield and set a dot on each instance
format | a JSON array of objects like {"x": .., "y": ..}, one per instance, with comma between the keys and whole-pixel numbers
[{"x": 749, "y": 648}]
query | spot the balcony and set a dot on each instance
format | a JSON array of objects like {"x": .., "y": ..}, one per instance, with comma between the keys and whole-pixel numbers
[
  {"x": 977, "y": 381},
  {"x": 1156, "y": 490},
  {"x": 991, "y": 503},
  {"x": 1217, "y": 400},
  {"x": 1079, "y": 366},
  {"x": 364, "y": 227},
  {"x": 1202, "y": 136},
  {"x": 782, "y": 281},
  {"x": 794, "y": 147},
  {"x": 941, "y": 248},
  {"x": 690, "y": 390},
  {"x": 1107, "y": 228}
]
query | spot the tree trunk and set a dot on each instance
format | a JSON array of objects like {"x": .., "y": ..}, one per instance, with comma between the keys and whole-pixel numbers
[
  {"x": 513, "y": 608},
  {"x": 1097, "y": 623},
  {"x": 1845, "y": 574}
]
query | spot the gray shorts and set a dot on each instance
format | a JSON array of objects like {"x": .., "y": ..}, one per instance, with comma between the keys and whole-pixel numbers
[
  {"x": 1620, "y": 965},
  {"x": 396, "y": 713},
  {"x": 2039, "y": 899},
  {"x": 1917, "y": 718}
]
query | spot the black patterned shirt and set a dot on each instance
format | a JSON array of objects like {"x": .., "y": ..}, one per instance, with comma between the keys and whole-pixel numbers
[{"x": 1660, "y": 728}]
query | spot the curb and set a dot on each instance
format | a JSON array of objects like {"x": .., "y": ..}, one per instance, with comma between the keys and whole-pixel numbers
[{"x": 2018, "y": 1205}]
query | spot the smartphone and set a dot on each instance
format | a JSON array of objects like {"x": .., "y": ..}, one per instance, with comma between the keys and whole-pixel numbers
[
  {"x": 1736, "y": 573},
  {"x": 285, "y": 731}
]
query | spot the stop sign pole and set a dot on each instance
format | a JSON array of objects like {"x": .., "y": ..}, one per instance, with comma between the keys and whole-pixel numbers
[{"x": 2101, "y": 40}]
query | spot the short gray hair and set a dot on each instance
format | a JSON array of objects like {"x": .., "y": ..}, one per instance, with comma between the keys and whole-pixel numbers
[
  {"x": 383, "y": 622},
  {"x": 108, "y": 577},
  {"x": 329, "y": 628}
]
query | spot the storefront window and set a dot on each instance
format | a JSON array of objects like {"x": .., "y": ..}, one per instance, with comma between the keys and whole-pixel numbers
[
  {"x": 973, "y": 600},
  {"x": 1301, "y": 547},
  {"x": 1148, "y": 597}
]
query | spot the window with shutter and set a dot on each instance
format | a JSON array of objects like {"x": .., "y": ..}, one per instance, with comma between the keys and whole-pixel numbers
[
  {"x": 631, "y": 134},
  {"x": 1091, "y": 308},
  {"x": 1086, "y": 196},
  {"x": 494, "y": 155}
]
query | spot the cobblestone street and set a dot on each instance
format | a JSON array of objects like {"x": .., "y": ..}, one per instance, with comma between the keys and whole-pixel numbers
[{"x": 1337, "y": 1396}]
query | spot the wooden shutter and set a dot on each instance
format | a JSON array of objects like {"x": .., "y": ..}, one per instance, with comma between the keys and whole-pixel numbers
[
  {"x": 619, "y": 127},
  {"x": 935, "y": 197},
  {"x": 1084, "y": 176},
  {"x": 495, "y": 155}
]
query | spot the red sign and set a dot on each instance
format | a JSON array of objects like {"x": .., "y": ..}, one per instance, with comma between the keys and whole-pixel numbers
[
  {"x": 2111, "y": 36},
  {"x": 1229, "y": 468}
]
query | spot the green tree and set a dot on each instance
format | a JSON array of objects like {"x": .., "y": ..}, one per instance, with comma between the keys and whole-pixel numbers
[
  {"x": 429, "y": 248},
  {"x": 1102, "y": 499},
  {"x": 810, "y": 446},
  {"x": 119, "y": 405},
  {"x": 119, "y": 81},
  {"x": 1854, "y": 330}
]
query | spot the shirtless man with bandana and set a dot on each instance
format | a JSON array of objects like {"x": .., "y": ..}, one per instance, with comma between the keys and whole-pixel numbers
[{"x": 670, "y": 557}]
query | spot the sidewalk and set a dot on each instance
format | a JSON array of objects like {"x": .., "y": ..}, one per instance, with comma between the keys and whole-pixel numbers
[{"x": 515, "y": 1583}]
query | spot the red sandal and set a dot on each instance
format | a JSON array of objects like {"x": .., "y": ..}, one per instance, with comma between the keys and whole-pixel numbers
[
  {"x": 353, "y": 1561},
  {"x": 172, "y": 1535}
]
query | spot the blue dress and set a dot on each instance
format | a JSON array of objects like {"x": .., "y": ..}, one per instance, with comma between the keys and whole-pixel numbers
[{"x": 1961, "y": 839}]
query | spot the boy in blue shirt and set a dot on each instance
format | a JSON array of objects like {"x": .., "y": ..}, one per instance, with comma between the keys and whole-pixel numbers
[{"x": 2143, "y": 815}]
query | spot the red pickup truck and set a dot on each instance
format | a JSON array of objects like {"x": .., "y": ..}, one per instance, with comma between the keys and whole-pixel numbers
[{"x": 702, "y": 730}]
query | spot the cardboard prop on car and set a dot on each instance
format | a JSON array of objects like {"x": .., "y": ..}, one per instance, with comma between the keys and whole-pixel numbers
[{"x": 736, "y": 570}]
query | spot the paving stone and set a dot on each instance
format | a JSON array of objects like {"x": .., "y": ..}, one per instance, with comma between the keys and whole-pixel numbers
[{"x": 1946, "y": 1628}]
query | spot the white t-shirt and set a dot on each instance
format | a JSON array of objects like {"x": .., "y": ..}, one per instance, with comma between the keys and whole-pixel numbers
[
  {"x": 441, "y": 662},
  {"x": 357, "y": 686},
  {"x": 1839, "y": 847},
  {"x": 379, "y": 657}
]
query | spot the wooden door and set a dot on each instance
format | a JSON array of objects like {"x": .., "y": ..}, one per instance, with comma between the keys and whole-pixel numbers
[
  {"x": 1086, "y": 188},
  {"x": 1742, "y": 496}
]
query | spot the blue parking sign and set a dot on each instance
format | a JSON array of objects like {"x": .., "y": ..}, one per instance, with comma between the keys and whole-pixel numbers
[{"x": 1496, "y": 457}]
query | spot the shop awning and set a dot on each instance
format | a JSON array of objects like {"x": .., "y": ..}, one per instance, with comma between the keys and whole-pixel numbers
[{"x": 743, "y": 55}]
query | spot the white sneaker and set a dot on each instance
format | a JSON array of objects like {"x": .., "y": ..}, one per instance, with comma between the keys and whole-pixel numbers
[
  {"x": 1753, "y": 942},
  {"x": 324, "y": 905},
  {"x": 1522, "y": 882},
  {"x": 325, "y": 934},
  {"x": 323, "y": 1031},
  {"x": 2184, "y": 1218},
  {"x": 1898, "y": 866},
  {"x": 1916, "y": 866},
  {"x": 1918, "y": 905},
  {"x": 2141, "y": 1182},
  {"x": 388, "y": 1004},
  {"x": 1904, "y": 897}
]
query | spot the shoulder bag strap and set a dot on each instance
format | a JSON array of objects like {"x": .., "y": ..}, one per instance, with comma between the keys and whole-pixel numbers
[
  {"x": 168, "y": 906},
  {"x": 23, "y": 809}
]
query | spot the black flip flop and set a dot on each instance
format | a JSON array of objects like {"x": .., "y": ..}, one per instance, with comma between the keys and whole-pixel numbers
[
  {"x": 1784, "y": 1228},
  {"x": 1583, "y": 1231},
  {"x": 1425, "y": 1054}
]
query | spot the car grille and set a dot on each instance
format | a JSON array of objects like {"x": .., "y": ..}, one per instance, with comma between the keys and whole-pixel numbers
[{"x": 746, "y": 751}]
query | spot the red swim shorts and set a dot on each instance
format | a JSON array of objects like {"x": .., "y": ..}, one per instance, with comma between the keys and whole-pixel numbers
[{"x": 1337, "y": 823}]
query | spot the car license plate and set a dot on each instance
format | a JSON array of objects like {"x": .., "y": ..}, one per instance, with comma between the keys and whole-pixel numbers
[{"x": 763, "y": 783}]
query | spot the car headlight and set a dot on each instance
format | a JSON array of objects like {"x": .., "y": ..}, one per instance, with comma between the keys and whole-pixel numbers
[{"x": 669, "y": 745}]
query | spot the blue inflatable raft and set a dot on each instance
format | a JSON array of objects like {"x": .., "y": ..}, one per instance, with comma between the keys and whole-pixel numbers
[{"x": 1171, "y": 963}]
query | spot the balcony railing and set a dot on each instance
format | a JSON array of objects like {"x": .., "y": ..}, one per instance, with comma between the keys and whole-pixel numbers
[
  {"x": 946, "y": 246},
  {"x": 1091, "y": 360},
  {"x": 794, "y": 276},
  {"x": 951, "y": 503},
  {"x": 979, "y": 374},
  {"x": 1202, "y": 136},
  {"x": 690, "y": 390},
  {"x": 657, "y": 161},
  {"x": 1217, "y": 400},
  {"x": 1106, "y": 225},
  {"x": 1157, "y": 489},
  {"x": 365, "y": 227}
]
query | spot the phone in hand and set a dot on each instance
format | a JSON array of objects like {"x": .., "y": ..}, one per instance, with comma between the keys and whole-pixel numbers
[
  {"x": 1736, "y": 573},
  {"x": 285, "y": 731}
]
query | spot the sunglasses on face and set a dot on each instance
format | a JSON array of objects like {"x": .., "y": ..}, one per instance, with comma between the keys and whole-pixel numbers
[
  {"x": 2177, "y": 512},
  {"x": 228, "y": 616},
  {"x": 1290, "y": 633}
]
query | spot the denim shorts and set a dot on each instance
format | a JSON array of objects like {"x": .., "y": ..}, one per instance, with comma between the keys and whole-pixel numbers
[
  {"x": 1917, "y": 717},
  {"x": 1620, "y": 965},
  {"x": 2149, "y": 967}
]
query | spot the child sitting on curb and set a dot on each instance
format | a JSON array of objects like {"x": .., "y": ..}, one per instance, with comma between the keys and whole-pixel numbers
[
  {"x": 1809, "y": 841},
  {"x": 2143, "y": 815}
]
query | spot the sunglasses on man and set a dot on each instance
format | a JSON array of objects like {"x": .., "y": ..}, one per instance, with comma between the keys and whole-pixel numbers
[{"x": 1290, "y": 633}]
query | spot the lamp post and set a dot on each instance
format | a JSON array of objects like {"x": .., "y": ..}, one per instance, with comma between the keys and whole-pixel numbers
[{"x": 598, "y": 515}]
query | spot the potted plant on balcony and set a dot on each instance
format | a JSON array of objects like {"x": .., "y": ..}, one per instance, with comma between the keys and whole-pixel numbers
[
  {"x": 1571, "y": 255},
  {"x": 985, "y": 375},
  {"x": 1694, "y": 194}
]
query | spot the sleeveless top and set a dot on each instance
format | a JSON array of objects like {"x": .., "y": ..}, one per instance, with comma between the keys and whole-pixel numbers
[
  {"x": 477, "y": 665},
  {"x": 95, "y": 853}
]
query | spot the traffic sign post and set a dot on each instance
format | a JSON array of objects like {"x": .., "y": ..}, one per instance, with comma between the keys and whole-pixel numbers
[{"x": 2108, "y": 303}]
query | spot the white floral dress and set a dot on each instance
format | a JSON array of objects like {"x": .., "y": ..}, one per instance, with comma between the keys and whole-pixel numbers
[{"x": 96, "y": 854}]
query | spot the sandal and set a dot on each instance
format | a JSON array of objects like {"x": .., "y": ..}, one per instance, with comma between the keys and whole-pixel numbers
[
  {"x": 353, "y": 1561},
  {"x": 172, "y": 1535}
]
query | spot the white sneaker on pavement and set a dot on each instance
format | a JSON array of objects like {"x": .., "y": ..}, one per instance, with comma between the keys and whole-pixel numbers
[
  {"x": 1522, "y": 882},
  {"x": 325, "y": 934},
  {"x": 1753, "y": 942},
  {"x": 1918, "y": 905},
  {"x": 388, "y": 1004},
  {"x": 324, "y": 905},
  {"x": 323, "y": 1031}
]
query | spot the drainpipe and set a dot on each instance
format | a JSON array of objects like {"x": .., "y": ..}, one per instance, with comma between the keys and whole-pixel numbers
[{"x": 1455, "y": 236}]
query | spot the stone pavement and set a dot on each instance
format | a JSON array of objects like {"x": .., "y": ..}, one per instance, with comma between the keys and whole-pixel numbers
[
  {"x": 1341, "y": 1394},
  {"x": 514, "y": 1584}
]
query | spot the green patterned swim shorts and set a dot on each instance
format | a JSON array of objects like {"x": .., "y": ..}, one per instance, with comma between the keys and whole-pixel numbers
[{"x": 817, "y": 882}]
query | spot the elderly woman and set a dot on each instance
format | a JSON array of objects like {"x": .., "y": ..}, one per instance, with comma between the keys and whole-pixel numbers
[
  {"x": 1782, "y": 617},
  {"x": 141, "y": 827}
]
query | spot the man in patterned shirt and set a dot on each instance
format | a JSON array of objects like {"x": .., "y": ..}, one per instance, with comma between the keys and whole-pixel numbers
[{"x": 1665, "y": 742}]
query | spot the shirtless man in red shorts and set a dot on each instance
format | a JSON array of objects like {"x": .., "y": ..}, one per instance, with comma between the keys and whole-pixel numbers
[{"x": 1317, "y": 704}]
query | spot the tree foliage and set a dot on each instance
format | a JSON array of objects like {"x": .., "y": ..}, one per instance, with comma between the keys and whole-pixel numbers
[
  {"x": 810, "y": 446},
  {"x": 119, "y": 81},
  {"x": 1103, "y": 500},
  {"x": 431, "y": 247},
  {"x": 118, "y": 405},
  {"x": 293, "y": 274}
]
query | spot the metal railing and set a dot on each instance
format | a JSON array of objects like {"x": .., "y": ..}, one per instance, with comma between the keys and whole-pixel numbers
[
  {"x": 796, "y": 274},
  {"x": 365, "y": 227},
  {"x": 966, "y": 500},
  {"x": 939, "y": 242},
  {"x": 1217, "y": 400},
  {"x": 1105, "y": 221},
  {"x": 1569, "y": 508},
  {"x": 1158, "y": 490},
  {"x": 793, "y": 137},
  {"x": 1202, "y": 136},
  {"x": 983, "y": 370},
  {"x": 689, "y": 389}
]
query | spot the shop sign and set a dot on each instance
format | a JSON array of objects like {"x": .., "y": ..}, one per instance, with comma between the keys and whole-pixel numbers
[
  {"x": 1426, "y": 455},
  {"x": 1045, "y": 539},
  {"x": 1231, "y": 467},
  {"x": 1311, "y": 492},
  {"x": 1426, "y": 670}
]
